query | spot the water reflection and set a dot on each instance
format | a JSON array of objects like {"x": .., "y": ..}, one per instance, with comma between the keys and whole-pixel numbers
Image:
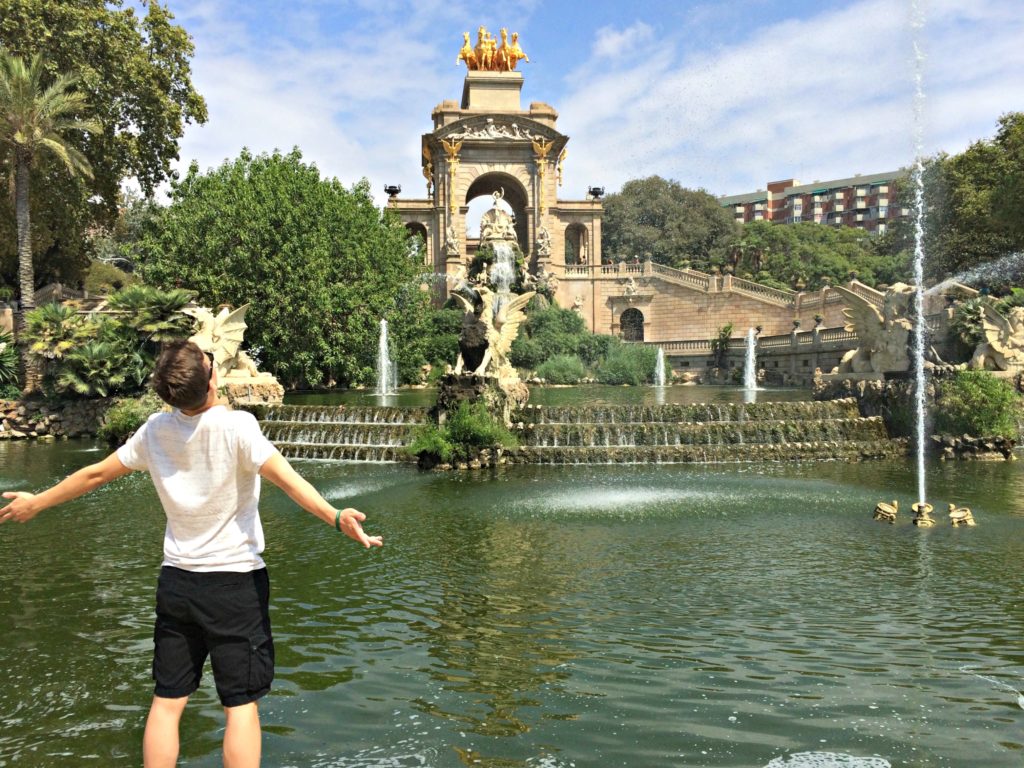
[{"x": 536, "y": 616}]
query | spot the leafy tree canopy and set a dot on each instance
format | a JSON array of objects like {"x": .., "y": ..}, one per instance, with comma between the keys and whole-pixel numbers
[
  {"x": 319, "y": 263},
  {"x": 811, "y": 255},
  {"x": 673, "y": 225},
  {"x": 134, "y": 72},
  {"x": 972, "y": 204}
]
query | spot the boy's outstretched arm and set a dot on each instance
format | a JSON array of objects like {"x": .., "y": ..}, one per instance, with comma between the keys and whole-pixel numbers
[
  {"x": 277, "y": 470},
  {"x": 26, "y": 505}
]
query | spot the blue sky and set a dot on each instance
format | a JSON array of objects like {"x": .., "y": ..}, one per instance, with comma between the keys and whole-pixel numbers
[{"x": 723, "y": 96}]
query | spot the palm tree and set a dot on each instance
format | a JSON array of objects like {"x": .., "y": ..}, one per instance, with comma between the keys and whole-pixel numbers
[{"x": 37, "y": 119}]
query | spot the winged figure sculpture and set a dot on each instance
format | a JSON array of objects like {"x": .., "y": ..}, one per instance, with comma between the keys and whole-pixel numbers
[
  {"x": 1003, "y": 347},
  {"x": 222, "y": 335},
  {"x": 884, "y": 332},
  {"x": 490, "y": 325}
]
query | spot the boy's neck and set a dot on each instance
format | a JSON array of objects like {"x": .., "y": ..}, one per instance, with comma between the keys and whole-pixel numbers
[{"x": 211, "y": 400}]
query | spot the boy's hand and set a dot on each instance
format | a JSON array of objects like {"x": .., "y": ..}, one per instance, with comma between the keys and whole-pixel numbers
[
  {"x": 21, "y": 510},
  {"x": 349, "y": 522}
]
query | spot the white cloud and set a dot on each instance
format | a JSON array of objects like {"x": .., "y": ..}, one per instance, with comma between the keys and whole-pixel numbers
[
  {"x": 612, "y": 43},
  {"x": 828, "y": 96},
  {"x": 814, "y": 98}
]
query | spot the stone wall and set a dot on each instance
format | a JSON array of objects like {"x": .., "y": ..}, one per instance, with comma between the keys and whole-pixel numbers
[
  {"x": 685, "y": 304},
  {"x": 21, "y": 419}
]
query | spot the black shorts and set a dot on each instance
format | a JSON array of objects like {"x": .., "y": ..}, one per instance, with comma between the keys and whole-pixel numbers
[{"x": 221, "y": 615}]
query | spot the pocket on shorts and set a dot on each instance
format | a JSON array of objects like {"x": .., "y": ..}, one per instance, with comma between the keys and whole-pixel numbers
[{"x": 261, "y": 662}]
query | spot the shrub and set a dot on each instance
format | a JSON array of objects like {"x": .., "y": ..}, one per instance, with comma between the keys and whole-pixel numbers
[
  {"x": 979, "y": 404},
  {"x": 103, "y": 278},
  {"x": 472, "y": 427},
  {"x": 8, "y": 360},
  {"x": 126, "y": 416},
  {"x": 432, "y": 440},
  {"x": 562, "y": 369},
  {"x": 468, "y": 431},
  {"x": 628, "y": 364}
]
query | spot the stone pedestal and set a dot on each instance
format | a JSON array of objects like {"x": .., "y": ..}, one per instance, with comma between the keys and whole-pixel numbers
[
  {"x": 258, "y": 390},
  {"x": 455, "y": 389}
]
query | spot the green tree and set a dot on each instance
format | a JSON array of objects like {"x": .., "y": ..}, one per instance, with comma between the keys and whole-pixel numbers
[
  {"x": 674, "y": 225},
  {"x": 319, "y": 263},
  {"x": 135, "y": 74},
  {"x": 972, "y": 204},
  {"x": 811, "y": 255},
  {"x": 37, "y": 119}
]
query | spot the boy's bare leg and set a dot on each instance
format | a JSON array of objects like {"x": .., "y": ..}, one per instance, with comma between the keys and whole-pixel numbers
[
  {"x": 242, "y": 736},
  {"x": 160, "y": 744}
]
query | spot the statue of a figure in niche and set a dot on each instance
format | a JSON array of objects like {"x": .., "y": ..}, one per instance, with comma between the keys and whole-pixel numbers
[
  {"x": 577, "y": 304},
  {"x": 884, "y": 334},
  {"x": 451, "y": 241},
  {"x": 543, "y": 242},
  {"x": 497, "y": 224},
  {"x": 1003, "y": 347},
  {"x": 488, "y": 332}
]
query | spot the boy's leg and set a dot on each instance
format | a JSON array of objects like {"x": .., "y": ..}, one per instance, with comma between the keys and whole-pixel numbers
[
  {"x": 160, "y": 744},
  {"x": 242, "y": 736}
]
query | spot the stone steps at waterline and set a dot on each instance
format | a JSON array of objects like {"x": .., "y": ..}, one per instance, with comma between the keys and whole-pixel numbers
[
  {"x": 829, "y": 450},
  {"x": 725, "y": 433},
  {"x": 696, "y": 413},
  {"x": 670, "y": 434},
  {"x": 340, "y": 414}
]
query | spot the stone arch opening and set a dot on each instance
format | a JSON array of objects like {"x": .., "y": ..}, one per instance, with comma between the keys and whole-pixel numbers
[
  {"x": 417, "y": 236},
  {"x": 632, "y": 325},
  {"x": 479, "y": 200},
  {"x": 576, "y": 240}
]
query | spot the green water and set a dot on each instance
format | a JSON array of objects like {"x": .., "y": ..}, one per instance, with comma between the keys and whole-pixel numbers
[{"x": 550, "y": 616}]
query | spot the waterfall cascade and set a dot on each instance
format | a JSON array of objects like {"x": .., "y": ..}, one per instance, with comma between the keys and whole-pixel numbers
[
  {"x": 728, "y": 432},
  {"x": 702, "y": 433},
  {"x": 362, "y": 433}
]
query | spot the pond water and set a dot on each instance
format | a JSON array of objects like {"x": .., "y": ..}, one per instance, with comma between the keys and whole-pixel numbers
[{"x": 737, "y": 615}]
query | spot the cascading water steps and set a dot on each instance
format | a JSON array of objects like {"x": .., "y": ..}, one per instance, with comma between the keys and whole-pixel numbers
[{"x": 640, "y": 434}]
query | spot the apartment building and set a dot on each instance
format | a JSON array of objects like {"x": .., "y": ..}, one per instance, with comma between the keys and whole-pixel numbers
[{"x": 864, "y": 202}]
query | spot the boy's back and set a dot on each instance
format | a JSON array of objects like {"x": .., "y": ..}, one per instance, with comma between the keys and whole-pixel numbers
[{"x": 206, "y": 471}]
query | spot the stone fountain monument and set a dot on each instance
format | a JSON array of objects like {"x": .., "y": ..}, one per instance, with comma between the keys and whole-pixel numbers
[{"x": 491, "y": 321}]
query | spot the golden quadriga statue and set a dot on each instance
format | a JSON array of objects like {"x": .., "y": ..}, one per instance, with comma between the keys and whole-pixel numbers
[
  {"x": 222, "y": 335},
  {"x": 487, "y": 55}
]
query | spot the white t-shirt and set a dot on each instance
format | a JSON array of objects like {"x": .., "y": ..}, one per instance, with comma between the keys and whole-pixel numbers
[{"x": 206, "y": 472}]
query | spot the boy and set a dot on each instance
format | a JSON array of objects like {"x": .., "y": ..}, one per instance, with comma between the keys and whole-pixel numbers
[{"x": 213, "y": 592}]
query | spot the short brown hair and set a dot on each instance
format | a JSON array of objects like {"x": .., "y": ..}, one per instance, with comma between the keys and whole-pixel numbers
[{"x": 180, "y": 378}]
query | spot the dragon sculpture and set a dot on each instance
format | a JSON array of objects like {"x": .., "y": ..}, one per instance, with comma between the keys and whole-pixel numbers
[{"x": 488, "y": 330}]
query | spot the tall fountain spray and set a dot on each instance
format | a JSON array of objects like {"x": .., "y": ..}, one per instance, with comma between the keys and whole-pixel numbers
[
  {"x": 750, "y": 361},
  {"x": 659, "y": 369},
  {"x": 387, "y": 371},
  {"x": 917, "y": 24},
  {"x": 502, "y": 274}
]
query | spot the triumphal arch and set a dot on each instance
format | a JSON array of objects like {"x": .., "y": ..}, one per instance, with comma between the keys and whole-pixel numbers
[{"x": 487, "y": 144}]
